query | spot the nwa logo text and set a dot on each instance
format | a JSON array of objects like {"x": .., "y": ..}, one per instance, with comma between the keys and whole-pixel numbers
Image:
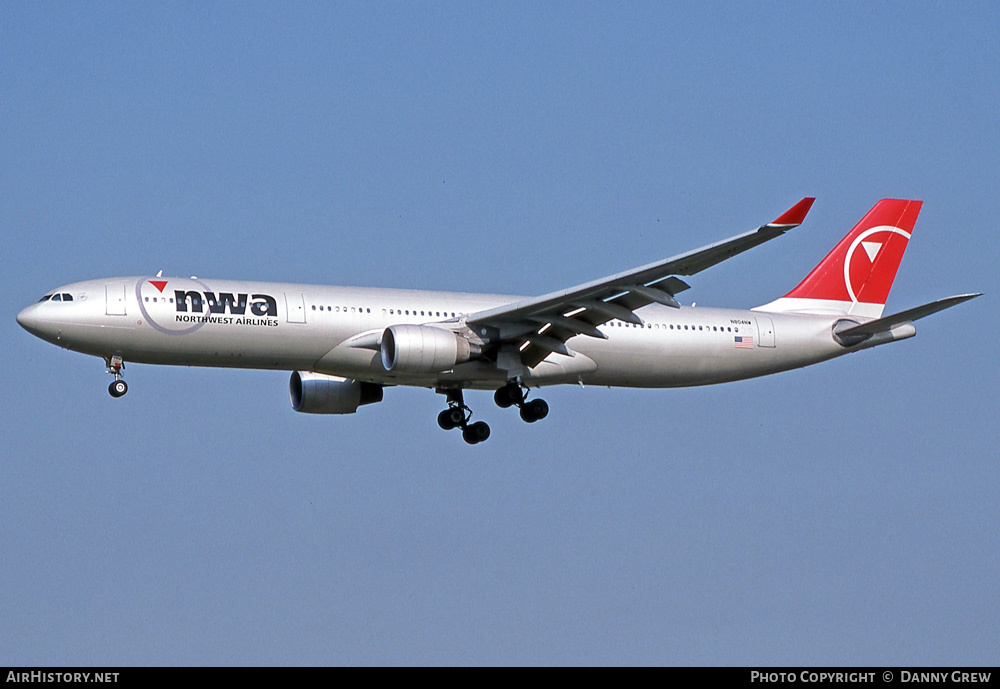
[
  {"x": 226, "y": 302},
  {"x": 262, "y": 305}
]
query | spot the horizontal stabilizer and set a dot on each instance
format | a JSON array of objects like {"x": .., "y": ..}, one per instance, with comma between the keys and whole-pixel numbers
[{"x": 860, "y": 332}]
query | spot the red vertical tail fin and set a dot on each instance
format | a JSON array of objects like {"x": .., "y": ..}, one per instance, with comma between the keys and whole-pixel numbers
[{"x": 855, "y": 278}]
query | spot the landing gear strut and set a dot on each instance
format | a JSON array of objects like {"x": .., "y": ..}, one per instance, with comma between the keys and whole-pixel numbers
[
  {"x": 115, "y": 365},
  {"x": 513, "y": 394},
  {"x": 457, "y": 415}
]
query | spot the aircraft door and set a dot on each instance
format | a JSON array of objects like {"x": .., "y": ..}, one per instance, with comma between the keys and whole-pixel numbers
[
  {"x": 114, "y": 294},
  {"x": 296, "y": 307},
  {"x": 765, "y": 331}
]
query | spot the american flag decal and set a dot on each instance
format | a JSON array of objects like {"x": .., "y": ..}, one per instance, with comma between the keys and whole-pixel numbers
[{"x": 743, "y": 342}]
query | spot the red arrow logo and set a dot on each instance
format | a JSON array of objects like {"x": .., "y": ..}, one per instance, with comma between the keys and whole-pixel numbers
[{"x": 158, "y": 284}]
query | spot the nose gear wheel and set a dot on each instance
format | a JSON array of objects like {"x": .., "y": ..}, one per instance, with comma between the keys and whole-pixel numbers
[{"x": 115, "y": 365}]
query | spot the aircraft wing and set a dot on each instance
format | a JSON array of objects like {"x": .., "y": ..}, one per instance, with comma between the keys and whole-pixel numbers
[{"x": 542, "y": 325}]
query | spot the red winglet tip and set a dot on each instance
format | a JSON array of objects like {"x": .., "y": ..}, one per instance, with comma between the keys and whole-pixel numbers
[{"x": 796, "y": 214}]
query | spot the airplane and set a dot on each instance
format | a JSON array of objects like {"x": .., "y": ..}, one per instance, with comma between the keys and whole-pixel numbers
[{"x": 344, "y": 345}]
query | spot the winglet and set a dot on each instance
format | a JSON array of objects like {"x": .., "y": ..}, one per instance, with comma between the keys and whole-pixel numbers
[{"x": 794, "y": 215}]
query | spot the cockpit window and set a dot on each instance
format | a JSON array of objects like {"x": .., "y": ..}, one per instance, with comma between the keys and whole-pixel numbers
[{"x": 56, "y": 297}]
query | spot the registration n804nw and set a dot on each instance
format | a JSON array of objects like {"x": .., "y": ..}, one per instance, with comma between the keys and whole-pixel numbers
[{"x": 345, "y": 345}]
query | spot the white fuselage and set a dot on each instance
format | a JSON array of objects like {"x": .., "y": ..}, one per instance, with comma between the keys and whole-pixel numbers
[{"x": 317, "y": 328}]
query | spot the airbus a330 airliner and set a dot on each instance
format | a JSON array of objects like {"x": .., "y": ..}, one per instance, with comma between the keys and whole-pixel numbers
[{"x": 344, "y": 345}]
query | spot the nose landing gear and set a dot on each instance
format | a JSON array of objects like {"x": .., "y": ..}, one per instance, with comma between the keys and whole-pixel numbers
[
  {"x": 512, "y": 394},
  {"x": 457, "y": 415},
  {"x": 115, "y": 365}
]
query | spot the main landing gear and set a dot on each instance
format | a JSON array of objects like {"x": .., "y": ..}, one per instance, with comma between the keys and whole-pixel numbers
[
  {"x": 115, "y": 365},
  {"x": 513, "y": 394},
  {"x": 457, "y": 415}
]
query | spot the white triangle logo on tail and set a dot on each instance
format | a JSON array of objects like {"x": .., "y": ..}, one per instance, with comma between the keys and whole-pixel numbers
[{"x": 871, "y": 248}]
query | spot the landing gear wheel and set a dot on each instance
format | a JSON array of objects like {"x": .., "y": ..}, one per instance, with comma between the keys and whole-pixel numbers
[
  {"x": 535, "y": 410},
  {"x": 457, "y": 415},
  {"x": 444, "y": 420},
  {"x": 508, "y": 395},
  {"x": 450, "y": 418},
  {"x": 476, "y": 432},
  {"x": 118, "y": 388},
  {"x": 115, "y": 366}
]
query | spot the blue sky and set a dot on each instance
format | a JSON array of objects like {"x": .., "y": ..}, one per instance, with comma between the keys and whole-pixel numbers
[{"x": 842, "y": 514}]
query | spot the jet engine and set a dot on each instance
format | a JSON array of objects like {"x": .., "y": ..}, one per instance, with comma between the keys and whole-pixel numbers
[
  {"x": 316, "y": 393},
  {"x": 424, "y": 349}
]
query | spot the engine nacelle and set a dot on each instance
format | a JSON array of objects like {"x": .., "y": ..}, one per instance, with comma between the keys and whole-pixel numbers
[
  {"x": 424, "y": 349},
  {"x": 316, "y": 393}
]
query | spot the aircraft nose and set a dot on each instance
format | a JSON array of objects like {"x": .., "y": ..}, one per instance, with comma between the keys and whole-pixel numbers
[{"x": 30, "y": 320}]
